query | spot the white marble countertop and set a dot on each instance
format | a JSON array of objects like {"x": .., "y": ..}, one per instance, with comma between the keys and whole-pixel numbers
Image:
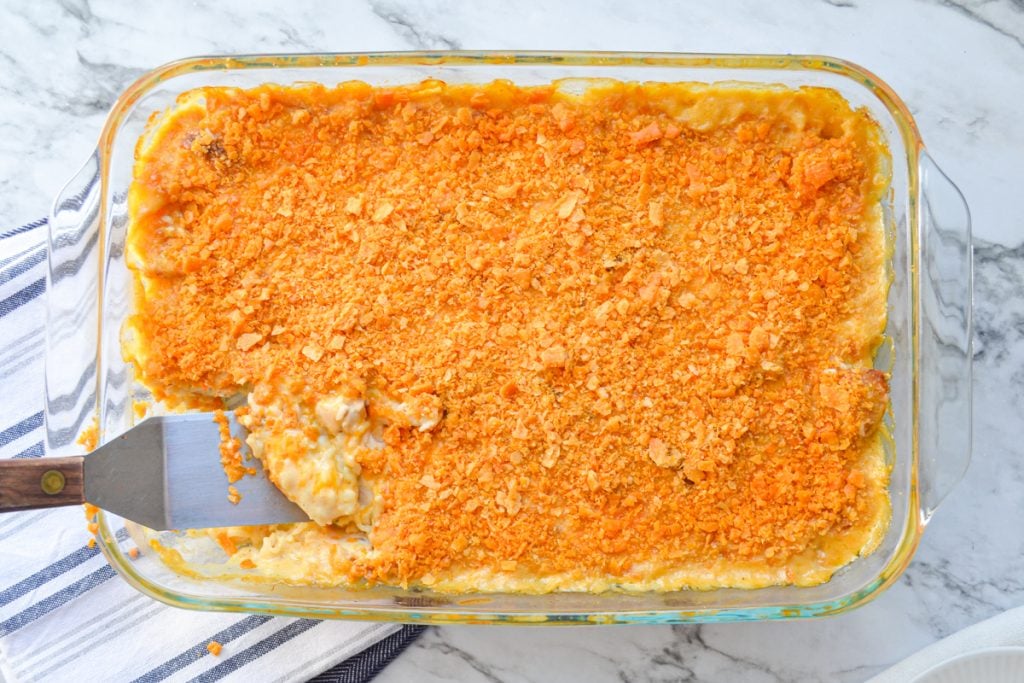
[{"x": 959, "y": 65}]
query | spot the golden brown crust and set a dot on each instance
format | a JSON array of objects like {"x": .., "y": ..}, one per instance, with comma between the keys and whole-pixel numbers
[{"x": 634, "y": 314}]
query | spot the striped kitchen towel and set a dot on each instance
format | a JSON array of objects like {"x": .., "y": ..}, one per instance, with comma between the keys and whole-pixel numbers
[{"x": 64, "y": 613}]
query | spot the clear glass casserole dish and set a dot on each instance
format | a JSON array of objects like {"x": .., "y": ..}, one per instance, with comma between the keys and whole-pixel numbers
[{"x": 927, "y": 348}]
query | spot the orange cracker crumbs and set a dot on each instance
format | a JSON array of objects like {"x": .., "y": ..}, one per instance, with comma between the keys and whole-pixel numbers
[
  {"x": 140, "y": 409},
  {"x": 230, "y": 453},
  {"x": 90, "y": 436},
  {"x": 234, "y": 495},
  {"x": 133, "y": 553},
  {"x": 91, "y": 543},
  {"x": 533, "y": 340},
  {"x": 214, "y": 648},
  {"x": 90, "y": 511}
]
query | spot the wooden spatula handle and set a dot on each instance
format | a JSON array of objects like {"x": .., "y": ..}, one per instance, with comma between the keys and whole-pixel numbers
[{"x": 33, "y": 483}]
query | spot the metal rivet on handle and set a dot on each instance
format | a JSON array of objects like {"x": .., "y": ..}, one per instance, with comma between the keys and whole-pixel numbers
[{"x": 52, "y": 482}]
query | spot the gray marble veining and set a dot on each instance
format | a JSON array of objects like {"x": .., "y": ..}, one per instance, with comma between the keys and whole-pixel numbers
[
  {"x": 959, "y": 65},
  {"x": 1005, "y": 18}
]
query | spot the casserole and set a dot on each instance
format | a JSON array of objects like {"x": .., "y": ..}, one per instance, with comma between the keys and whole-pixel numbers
[{"x": 927, "y": 347}]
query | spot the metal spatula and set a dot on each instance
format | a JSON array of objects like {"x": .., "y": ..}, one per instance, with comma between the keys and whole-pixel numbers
[{"x": 164, "y": 473}]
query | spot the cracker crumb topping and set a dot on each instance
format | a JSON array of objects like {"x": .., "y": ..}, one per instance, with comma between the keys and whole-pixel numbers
[{"x": 600, "y": 333}]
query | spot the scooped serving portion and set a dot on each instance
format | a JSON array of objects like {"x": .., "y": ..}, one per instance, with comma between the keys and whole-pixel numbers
[{"x": 582, "y": 336}]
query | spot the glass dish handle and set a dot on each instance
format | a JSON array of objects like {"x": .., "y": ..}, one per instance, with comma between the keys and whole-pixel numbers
[
  {"x": 946, "y": 285},
  {"x": 72, "y": 282}
]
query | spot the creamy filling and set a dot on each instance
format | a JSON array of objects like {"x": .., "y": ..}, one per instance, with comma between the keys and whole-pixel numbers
[{"x": 315, "y": 463}]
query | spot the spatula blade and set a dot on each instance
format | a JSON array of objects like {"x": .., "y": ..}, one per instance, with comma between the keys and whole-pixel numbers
[{"x": 165, "y": 473}]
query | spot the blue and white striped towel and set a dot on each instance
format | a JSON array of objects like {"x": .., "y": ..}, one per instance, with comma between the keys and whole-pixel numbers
[{"x": 64, "y": 613}]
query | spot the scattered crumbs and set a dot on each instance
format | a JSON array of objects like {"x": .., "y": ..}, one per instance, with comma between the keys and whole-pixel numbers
[
  {"x": 91, "y": 543},
  {"x": 90, "y": 511},
  {"x": 649, "y": 133},
  {"x": 233, "y": 495},
  {"x": 312, "y": 352},
  {"x": 656, "y": 214},
  {"x": 553, "y": 356},
  {"x": 382, "y": 212},
  {"x": 90, "y": 436},
  {"x": 354, "y": 205},
  {"x": 214, "y": 648},
  {"x": 429, "y": 481},
  {"x": 230, "y": 449},
  {"x": 133, "y": 553},
  {"x": 225, "y": 541},
  {"x": 509, "y": 389},
  {"x": 140, "y": 409},
  {"x": 248, "y": 340}
]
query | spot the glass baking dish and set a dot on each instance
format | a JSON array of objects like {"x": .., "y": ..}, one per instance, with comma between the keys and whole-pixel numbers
[{"x": 927, "y": 348}]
